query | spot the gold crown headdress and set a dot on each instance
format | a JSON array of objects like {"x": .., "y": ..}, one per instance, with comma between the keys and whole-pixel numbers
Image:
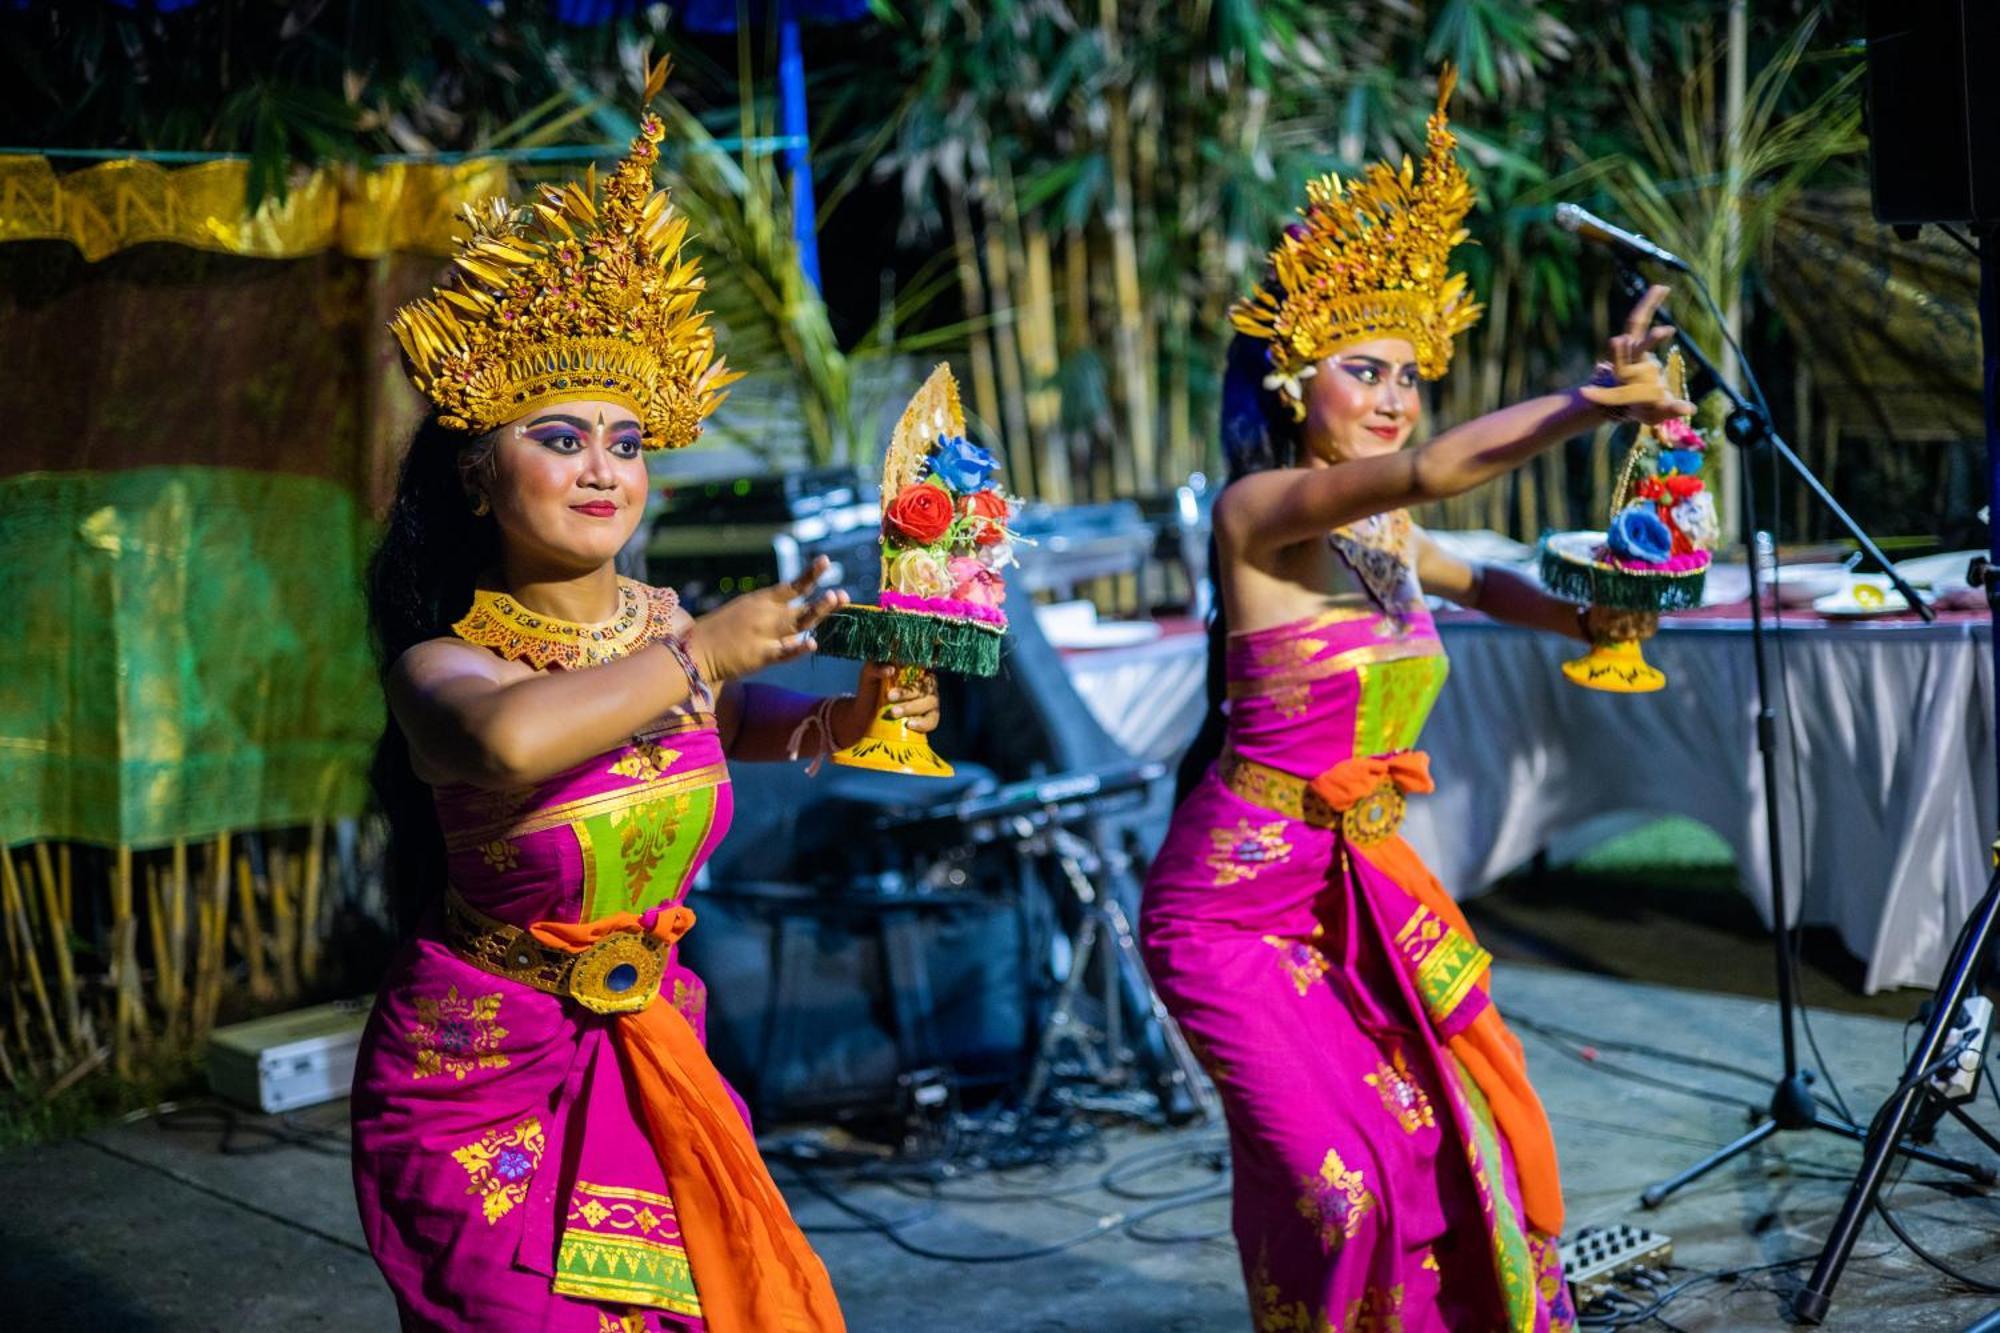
[
  {"x": 1369, "y": 258},
  {"x": 583, "y": 295}
]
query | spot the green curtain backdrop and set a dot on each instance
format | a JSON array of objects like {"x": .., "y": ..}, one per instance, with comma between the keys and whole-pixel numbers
[
  {"x": 196, "y": 446},
  {"x": 192, "y": 654}
]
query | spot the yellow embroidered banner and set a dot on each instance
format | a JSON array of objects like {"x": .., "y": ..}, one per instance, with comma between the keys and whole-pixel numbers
[{"x": 103, "y": 209}]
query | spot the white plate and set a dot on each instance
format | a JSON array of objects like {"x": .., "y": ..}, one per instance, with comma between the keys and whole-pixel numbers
[{"x": 1843, "y": 605}]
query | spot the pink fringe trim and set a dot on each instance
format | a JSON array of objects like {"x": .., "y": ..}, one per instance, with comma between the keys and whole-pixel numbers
[
  {"x": 943, "y": 606},
  {"x": 1680, "y": 564}
]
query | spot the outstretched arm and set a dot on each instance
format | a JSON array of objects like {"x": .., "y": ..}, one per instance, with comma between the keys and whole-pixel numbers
[
  {"x": 1267, "y": 511},
  {"x": 1513, "y": 598},
  {"x": 468, "y": 721}
]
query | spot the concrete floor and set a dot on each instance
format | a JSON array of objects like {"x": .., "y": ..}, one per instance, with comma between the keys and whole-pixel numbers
[{"x": 198, "y": 1221}]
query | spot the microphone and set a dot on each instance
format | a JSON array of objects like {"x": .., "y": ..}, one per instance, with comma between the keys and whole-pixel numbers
[{"x": 1631, "y": 245}]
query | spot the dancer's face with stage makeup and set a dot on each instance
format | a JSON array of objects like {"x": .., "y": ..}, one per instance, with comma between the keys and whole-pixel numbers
[
  {"x": 568, "y": 484},
  {"x": 1363, "y": 400}
]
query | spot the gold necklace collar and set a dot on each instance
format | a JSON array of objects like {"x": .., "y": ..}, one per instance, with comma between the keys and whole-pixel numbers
[{"x": 498, "y": 622}]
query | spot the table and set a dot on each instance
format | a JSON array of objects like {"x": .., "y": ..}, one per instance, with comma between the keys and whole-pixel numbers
[{"x": 1887, "y": 797}]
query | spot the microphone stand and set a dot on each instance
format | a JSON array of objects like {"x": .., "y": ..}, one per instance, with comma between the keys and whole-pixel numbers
[
  {"x": 1975, "y": 939},
  {"x": 1792, "y": 1105}
]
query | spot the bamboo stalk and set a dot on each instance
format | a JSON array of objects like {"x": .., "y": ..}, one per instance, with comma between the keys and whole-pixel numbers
[
  {"x": 121, "y": 912},
  {"x": 213, "y": 917},
  {"x": 63, "y": 867},
  {"x": 10, "y": 884},
  {"x": 31, "y": 901},
  {"x": 52, "y": 899},
  {"x": 252, "y": 927},
  {"x": 7, "y": 1066},
  {"x": 89, "y": 1064},
  {"x": 206, "y": 997},
  {"x": 284, "y": 923},
  {"x": 1134, "y": 377},
  {"x": 157, "y": 930},
  {"x": 972, "y": 291},
  {"x": 1038, "y": 331},
  {"x": 1001, "y": 275},
  {"x": 128, "y": 1005},
  {"x": 177, "y": 926},
  {"x": 14, "y": 941},
  {"x": 309, "y": 902}
]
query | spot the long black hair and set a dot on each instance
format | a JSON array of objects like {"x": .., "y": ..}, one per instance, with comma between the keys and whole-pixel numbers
[
  {"x": 420, "y": 581},
  {"x": 1258, "y": 434}
]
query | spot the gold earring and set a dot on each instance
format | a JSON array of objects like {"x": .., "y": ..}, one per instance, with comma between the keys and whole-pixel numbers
[{"x": 481, "y": 507}]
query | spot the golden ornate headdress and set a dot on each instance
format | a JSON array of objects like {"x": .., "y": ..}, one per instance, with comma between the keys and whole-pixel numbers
[
  {"x": 1369, "y": 258},
  {"x": 582, "y": 295}
]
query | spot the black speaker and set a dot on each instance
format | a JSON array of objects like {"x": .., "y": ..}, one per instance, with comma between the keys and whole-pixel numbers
[
  {"x": 1934, "y": 110},
  {"x": 817, "y": 1003}
]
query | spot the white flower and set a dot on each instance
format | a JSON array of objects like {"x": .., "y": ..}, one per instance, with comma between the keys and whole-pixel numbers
[
  {"x": 1695, "y": 517},
  {"x": 997, "y": 556},
  {"x": 1292, "y": 385}
]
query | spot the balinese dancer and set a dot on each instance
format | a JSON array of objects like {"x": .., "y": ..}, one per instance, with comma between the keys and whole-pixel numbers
[
  {"x": 540, "y": 1140},
  {"x": 1393, "y": 1168}
]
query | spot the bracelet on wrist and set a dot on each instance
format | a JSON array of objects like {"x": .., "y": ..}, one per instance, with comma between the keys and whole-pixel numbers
[
  {"x": 698, "y": 690},
  {"x": 1605, "y": 376},
  {"x": 820, "y": 719}
]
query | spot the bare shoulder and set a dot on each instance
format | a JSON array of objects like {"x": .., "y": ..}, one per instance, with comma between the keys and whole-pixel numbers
[
  {"x": 443, "y": 666},
  {"x": 1247, "y": 501}
]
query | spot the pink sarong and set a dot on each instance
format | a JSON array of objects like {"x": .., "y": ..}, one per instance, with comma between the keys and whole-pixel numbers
[
  {"x": 506, "y": 1157},
  {"x": 1393, "y": 1169}
]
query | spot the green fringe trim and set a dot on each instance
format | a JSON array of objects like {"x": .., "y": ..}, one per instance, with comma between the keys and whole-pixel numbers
[
  {"x": 1623, "y": 589},
  {"x": 907, "y": 638}
]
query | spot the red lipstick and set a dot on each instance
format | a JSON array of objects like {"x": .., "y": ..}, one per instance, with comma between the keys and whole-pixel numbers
[
  {"x": 596, "y": 508},
  {"x": 1384, "y": 432}
]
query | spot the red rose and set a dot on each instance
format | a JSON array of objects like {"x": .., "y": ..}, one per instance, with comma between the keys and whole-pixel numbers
[
  {"x": 986, "y": 504},
  {"x": 993, "y": 508},
  {"x": 921, "y": 512}
]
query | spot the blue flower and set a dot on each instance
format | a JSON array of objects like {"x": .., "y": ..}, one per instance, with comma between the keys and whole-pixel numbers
[
  {"x": 1638, "y": 534},
  {"x": 963, "y": 465},
  {"x": 1687, "y": 462}
]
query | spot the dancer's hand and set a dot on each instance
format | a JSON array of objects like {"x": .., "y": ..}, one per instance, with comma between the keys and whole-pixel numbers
[
  {"x": 762, "y": 628},
  {"x": 1630, "y": 385},
  {"x": 878, "y": 692},
  {"x": 1608, "y": 624}
]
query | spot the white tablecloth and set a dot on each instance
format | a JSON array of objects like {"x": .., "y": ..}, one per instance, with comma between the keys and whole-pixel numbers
[{"x": 1886, "y": 826}]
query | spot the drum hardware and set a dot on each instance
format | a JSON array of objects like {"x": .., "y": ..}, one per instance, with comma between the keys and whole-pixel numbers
[{"x": 1118, "y": 1038}]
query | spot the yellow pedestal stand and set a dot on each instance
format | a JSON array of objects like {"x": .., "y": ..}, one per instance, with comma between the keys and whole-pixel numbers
[
  {"x": 1619, "y": 668},
  {"x": 889, "y": 746}
]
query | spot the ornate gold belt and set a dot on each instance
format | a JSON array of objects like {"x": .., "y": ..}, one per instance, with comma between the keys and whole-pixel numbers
[
  {"x": 620, "y": 974},
  {"x": 1376, "y": 816}
]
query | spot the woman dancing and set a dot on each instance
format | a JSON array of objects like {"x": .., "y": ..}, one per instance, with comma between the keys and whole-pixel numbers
[
  {"x": 1393, "y": 1168},
  {"x": 540, "y": 1140}
]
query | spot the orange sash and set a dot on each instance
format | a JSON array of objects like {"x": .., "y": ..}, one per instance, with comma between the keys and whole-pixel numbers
[
  {"x": 1491, "y": 1054},
  {"x": 754, "y": 1270}
]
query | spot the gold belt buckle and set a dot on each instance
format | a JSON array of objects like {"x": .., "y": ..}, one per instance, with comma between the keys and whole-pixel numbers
[
  {"x": 1375, "y": 816},
  {"x": 620, "y": 974}
]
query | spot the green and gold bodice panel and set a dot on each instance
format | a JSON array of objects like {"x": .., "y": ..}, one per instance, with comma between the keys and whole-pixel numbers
[
  {"x": 624, "y": 831},
  {"x": 1308, "y": 694}
]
